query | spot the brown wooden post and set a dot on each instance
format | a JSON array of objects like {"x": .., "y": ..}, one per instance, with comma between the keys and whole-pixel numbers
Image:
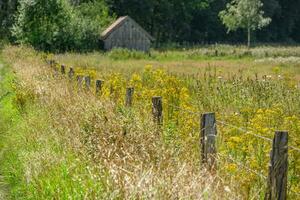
[
  {"x": 129, "y": 96},
  {"x": 63, "y": 69},
  {"x": 71, "y": 73},
  {"x": 52, "y": 63},
  {"x": 79, "y": 80},
  {"x": 99, "y": 85},
  {"x": 56, "y": 70},
  {"x": 278, "y": 168},
  {"x": 157, "y": 110},
  {"x": 87, "y": 80},
  {"x": 208, "y": 139}
]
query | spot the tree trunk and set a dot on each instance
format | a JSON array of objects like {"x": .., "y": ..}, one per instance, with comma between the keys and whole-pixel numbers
[{"x": 249, "y": 37}]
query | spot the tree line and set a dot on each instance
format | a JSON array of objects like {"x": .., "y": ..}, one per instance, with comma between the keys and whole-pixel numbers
[{"x": 63, "y": 25}]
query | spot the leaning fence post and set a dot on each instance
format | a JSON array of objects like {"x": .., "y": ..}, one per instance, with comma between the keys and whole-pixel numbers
[
  {"x": 278, "y": 168},
  {"x": 63, "y": 69},
  {"x": 129, "y": 96},
  {"x": 87, "y": 80},
  {"x": 157, "y": 110},
  {"x": 99, "y": 85},
  {"x": 71, "y": 73},
  {"x": 208, "y": 139}
]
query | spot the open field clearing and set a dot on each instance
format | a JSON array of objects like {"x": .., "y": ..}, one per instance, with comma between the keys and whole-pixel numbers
[
  {"x": 63, "y": 141},
  {"x": 225, "y": 60}
]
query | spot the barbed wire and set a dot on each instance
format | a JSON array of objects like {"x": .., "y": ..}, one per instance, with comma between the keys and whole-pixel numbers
[
  {"x": 242, "y": 165},
  {"x": 245, "y": 131},
  {"x": 184, "y": 110},
  {"x": 294, "y": 148},
  {"x": 242, "y": 129}
]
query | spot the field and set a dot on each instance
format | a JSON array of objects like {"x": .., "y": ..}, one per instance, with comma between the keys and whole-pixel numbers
[
  {"x": 60, "y": 140},
  {"x": 226, "y": 60}
]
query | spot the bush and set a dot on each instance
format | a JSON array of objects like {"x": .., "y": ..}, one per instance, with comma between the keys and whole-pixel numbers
[{"x": 56, "y": 26}]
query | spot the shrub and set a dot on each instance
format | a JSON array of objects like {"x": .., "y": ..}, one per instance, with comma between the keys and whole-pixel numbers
[
  {"x": 54, "y": 25},
  {"x": 44, "y": 24}
]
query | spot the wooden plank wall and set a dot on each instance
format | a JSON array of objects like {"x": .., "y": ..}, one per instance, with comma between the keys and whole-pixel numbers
[{"x": 128, "y": 35}]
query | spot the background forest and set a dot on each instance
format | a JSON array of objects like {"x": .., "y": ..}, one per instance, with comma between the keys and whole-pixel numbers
[{"x": 61, "y": 25}]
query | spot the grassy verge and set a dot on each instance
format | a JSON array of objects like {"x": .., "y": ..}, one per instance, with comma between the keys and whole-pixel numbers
[
  {"x": 34, "y": 162},
  {"x": 10, "y": 117}
]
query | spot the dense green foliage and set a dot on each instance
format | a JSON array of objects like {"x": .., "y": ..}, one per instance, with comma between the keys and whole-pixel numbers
[
  {"x": 76, "y": 24},
  {"x": 56, "y": 25},
  {"x": 44, "y": 24},
  {"x": 198, "y": 21},
  {"x": 7, "y": 11}
]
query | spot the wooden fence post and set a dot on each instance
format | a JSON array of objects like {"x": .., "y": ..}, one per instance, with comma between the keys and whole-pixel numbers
[
  {"x": 129, "y": 96},
  {"x": 79, "y": 80},
  {"x": 157, "y": 110},
  {"x": 87, "y": 80},
  {"x": 208, "y": 139},
  {"x": 71, "y": 73},
  {"x": 99, "y": 85},
  {"x": 52, "y": 63},
  {"x": 63, "y": 69},
  {"x": 278, "y": 168}
]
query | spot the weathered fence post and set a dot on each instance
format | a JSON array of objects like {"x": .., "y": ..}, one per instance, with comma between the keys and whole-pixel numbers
[
  {"x": 63, "y": 69},
  {"x": 278, "y": 168},
  {"x": 71, "y": 73},
  {"x": 99, "y": 85},
  {"x": 129, "y": 96},
  {"x": 52, "y": 63},
  {"x": 87, "y": 80},
  {"x": 157, "y": 110},
  {"x": 79, "y": 80},
  {"x": 208, "y": 139}
]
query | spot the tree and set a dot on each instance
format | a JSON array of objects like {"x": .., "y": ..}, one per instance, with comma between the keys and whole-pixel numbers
[
  {"x": 44, "y": 24},
  {"x": 7, "y": 12},
  {"x": 246, "y": 14},
  {"x": 166, "y": 20},
  {"x": 55, "y": 25}
]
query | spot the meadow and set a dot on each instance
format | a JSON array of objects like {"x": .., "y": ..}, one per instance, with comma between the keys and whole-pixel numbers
[{"x": 61, "y": 141}]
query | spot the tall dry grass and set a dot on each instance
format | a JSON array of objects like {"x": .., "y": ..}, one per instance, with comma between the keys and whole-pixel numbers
[{"x": 76, "y": 146}]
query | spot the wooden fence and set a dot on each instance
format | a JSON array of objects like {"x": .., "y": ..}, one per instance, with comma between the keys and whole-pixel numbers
[{"x": 278, "y": 164}]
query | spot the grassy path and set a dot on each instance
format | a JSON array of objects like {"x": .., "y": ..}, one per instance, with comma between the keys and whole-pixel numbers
[
  {"x": 3, "y": 187},
  {"x": 7, "y": 118}
]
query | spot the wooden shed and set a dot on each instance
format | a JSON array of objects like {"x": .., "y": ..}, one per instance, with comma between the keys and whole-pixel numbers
[{"x": 126, "y": 33}]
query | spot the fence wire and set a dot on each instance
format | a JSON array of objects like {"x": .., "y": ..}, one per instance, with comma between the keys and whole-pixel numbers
[
  {"x": 242, "y": 165},
  {"x": 243, "y": 130}
]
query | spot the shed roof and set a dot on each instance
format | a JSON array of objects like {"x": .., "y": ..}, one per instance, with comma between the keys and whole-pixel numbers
[{"x": 119, "y": 22}]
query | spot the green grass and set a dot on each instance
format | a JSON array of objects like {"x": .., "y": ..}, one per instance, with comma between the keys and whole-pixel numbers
[
  {"x": 10, "y": 122},
  {"x": 33, "y": 163},
  {"x": 228, "y": 60}
]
